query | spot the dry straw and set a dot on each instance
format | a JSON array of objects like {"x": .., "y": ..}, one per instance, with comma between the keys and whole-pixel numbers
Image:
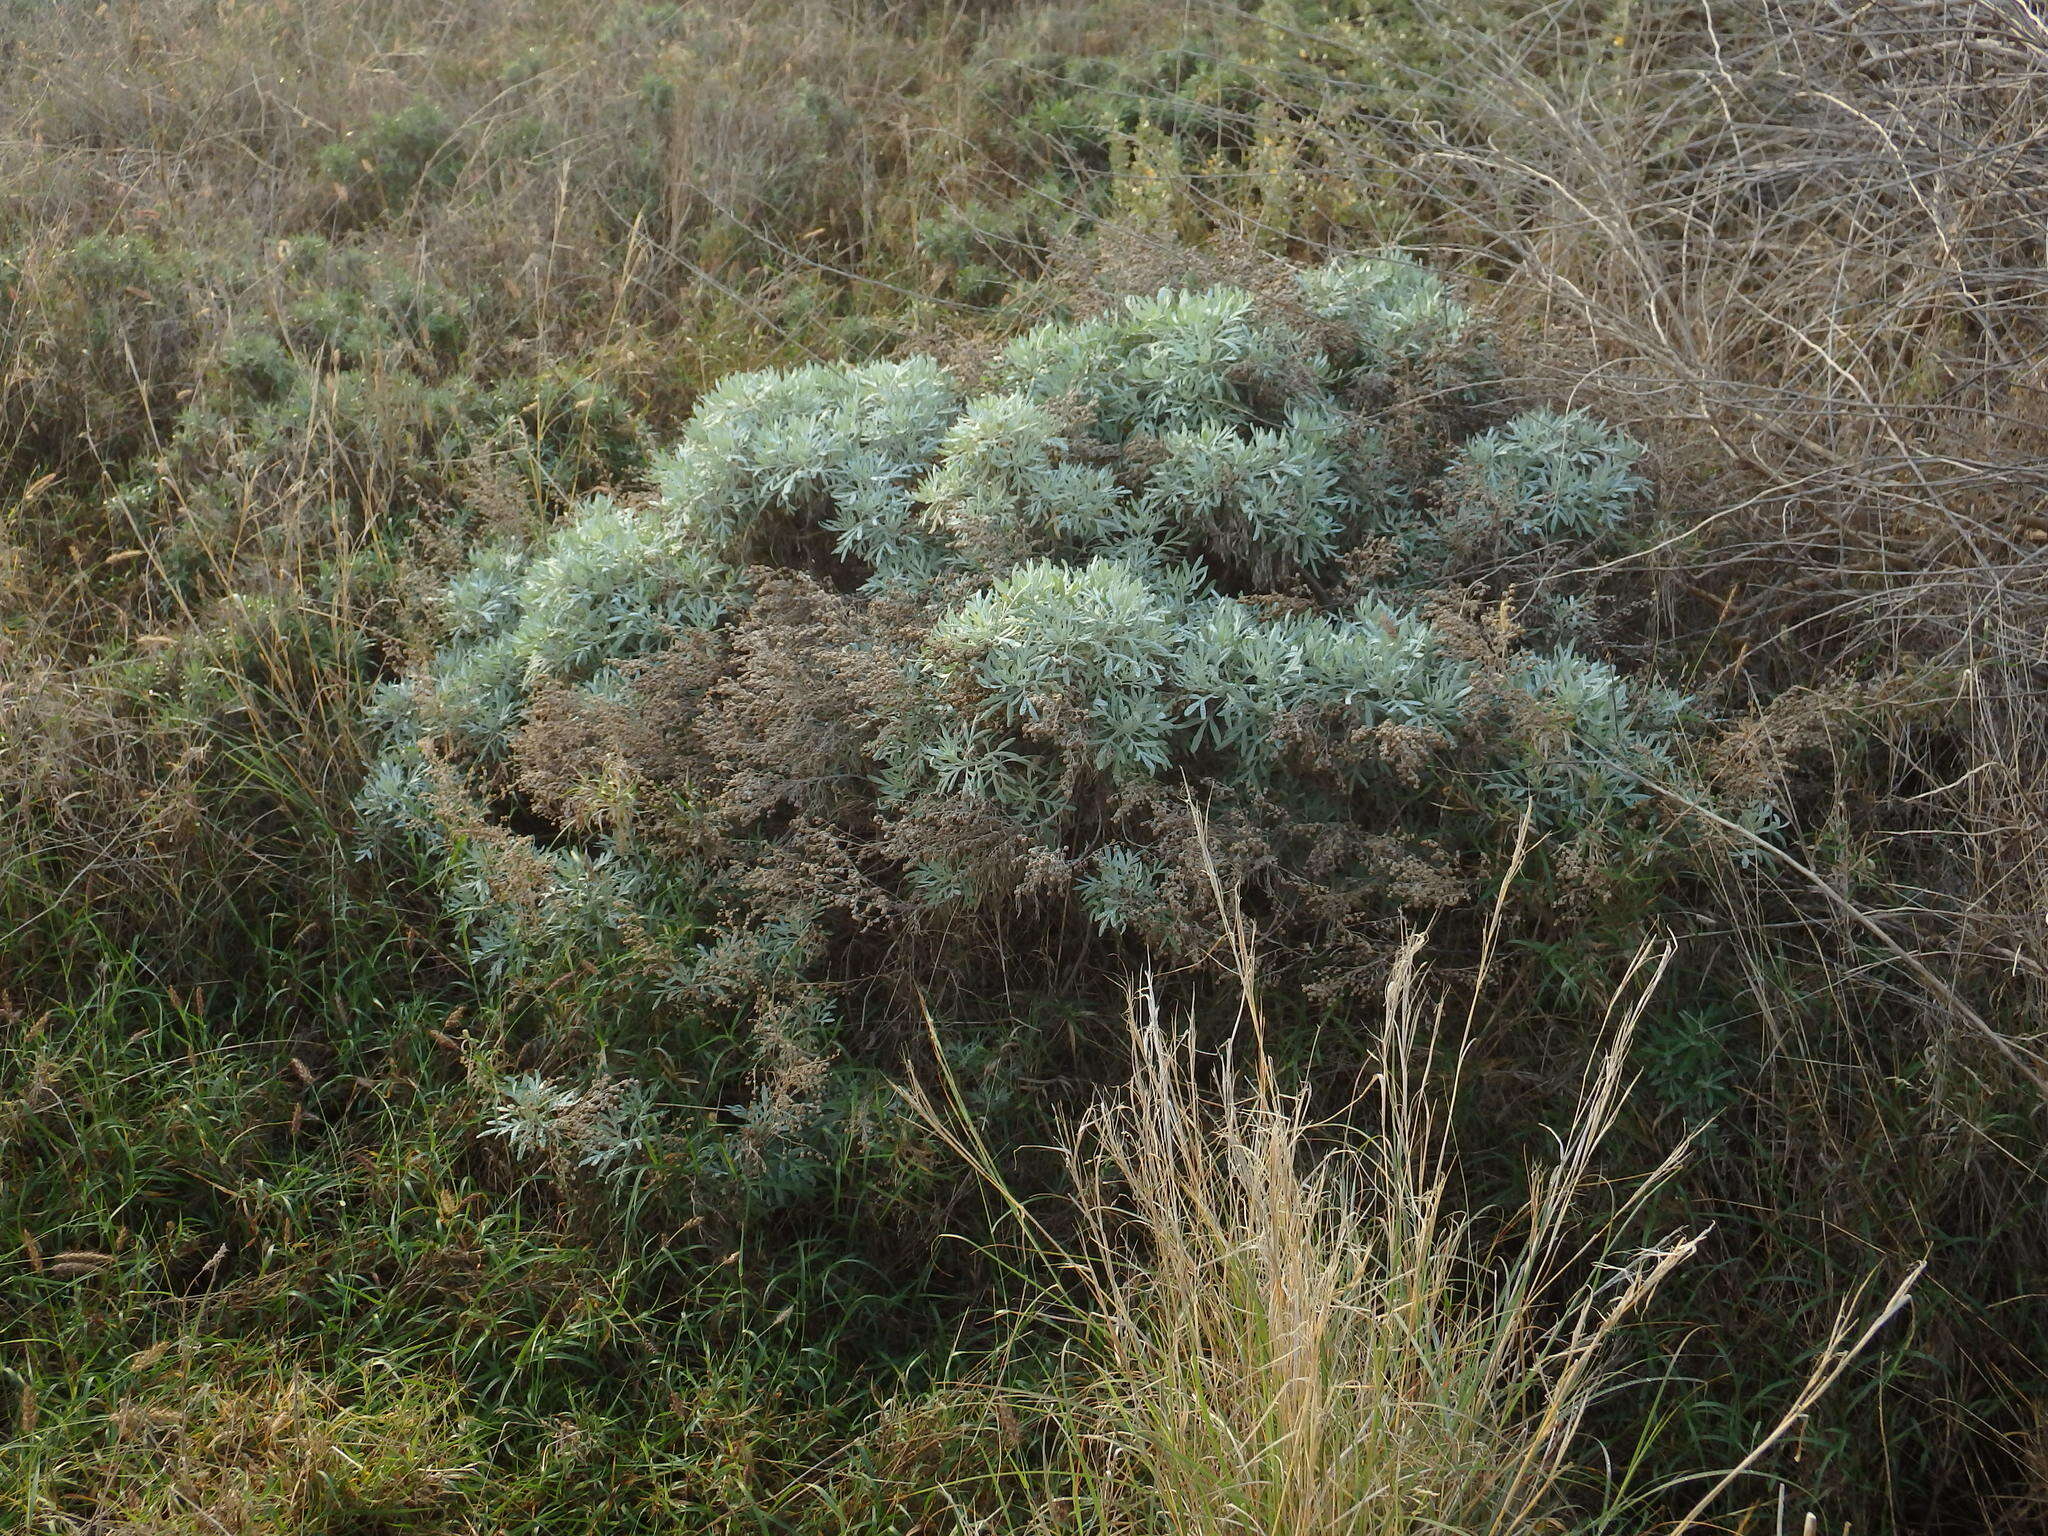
[{"x": 1274, "y": 1323}]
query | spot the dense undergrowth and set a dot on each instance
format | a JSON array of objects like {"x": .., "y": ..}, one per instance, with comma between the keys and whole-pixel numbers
[{"x": 582, "y": 595}]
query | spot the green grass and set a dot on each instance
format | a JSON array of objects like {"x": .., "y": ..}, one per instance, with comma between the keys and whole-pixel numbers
[{"x": 283, "y": 1280}]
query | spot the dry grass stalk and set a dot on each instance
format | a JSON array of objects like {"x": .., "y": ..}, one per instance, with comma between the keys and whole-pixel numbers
[{"x": 1279, "y": 1325}]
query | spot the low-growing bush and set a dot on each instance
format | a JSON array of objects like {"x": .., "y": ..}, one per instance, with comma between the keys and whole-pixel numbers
[
  {"x": 893, "y": 674},
  {"x": 95, "y": 340},
  {"x": 394, "y": 160}
]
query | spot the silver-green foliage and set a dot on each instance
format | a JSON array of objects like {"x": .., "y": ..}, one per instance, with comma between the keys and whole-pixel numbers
[
  {"x": 1401, "y": 313},
  {"x": 1083, "y": 537},
  {"x": 1250, "y": 457},
  {"x": 766, "y": 455},
  {"x": 1136, "y": 676},
  {"x": 611, "y": 583},
  {"x": 1553, "y": 475}
]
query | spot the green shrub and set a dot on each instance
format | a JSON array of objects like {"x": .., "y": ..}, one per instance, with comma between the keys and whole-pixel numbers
[
  {"x": 394, "y": 161},
  {"x": 340, "y": 407},
  {"x": 887, "y": 673},
  {"x": 257, "y": 366},
  {"x": 96, "y": 340},
  {"x": 568, "y": 433},
  {"x": 1548, "y": 474}
]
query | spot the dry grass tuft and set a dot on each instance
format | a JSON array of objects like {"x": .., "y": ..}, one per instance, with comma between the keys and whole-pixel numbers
[
  {"x": 1285, "y": 1325},
  {"x": 1287, "y": 1338}
]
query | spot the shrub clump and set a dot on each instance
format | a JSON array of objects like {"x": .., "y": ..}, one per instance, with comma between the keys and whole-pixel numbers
[
  {"x": 892, "y": 673},
  {"x": 396, "y": 160},
  {"x": 95, "y": 338}
]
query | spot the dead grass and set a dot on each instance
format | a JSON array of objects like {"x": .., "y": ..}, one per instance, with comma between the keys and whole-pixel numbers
[{"x": 1280, "y": 1323}]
